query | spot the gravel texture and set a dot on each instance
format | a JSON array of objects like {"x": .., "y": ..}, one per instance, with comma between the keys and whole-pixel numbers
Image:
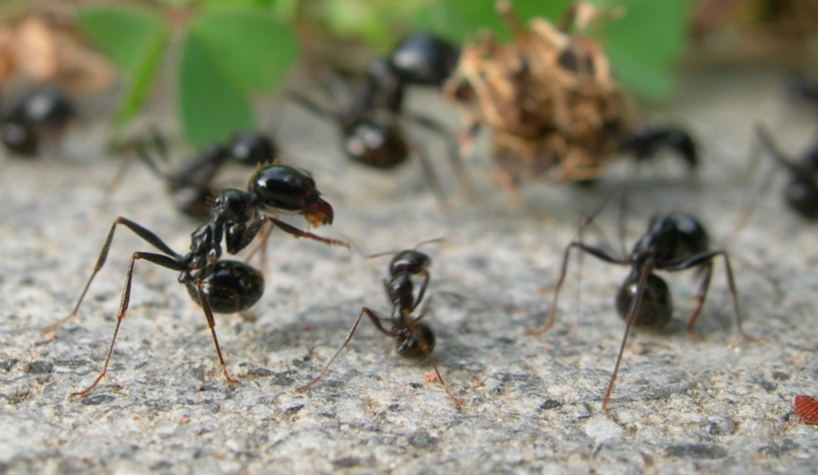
[{"x": 532, "y": 404}]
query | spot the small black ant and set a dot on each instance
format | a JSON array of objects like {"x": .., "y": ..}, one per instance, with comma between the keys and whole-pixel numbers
[
  {"x": 646, "y": 142},
  {"x": 222, "y": 286},
  {"x": 413, "y": 339},
  {"x": 191, "y": 186},
  {"x": 802, "y": 191},
  {"x": 369, "y": 122},
  {"x": 39, "y": 113},
  {"x": 672, "y": 242}
]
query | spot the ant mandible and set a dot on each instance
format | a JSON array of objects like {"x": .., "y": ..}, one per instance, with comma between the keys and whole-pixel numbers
[
  {"x": 191, "y": 186},
  {"x": 413, "y": 339},
  {"x": 37, "y": 114},
  {"x": 802, "y": 191},
  {"x": 369, "y": 121},
  {"x": 222, "y": 286},
  {"x": 672, "y": 242}
]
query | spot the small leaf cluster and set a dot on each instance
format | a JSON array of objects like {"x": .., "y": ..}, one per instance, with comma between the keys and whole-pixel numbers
[{"x": 231, "y": 48}]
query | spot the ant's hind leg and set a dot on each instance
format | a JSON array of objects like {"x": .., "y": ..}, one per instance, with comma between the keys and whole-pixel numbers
[
  {"x": 211, "y": 322},
  {"x": 142, "y": 232},
  {"x": 158, "y": 259}
]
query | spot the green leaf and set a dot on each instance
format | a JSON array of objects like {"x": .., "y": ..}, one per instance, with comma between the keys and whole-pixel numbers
[
  {"x": 254, "y": 49},
  {"x": 126, "y": 35},
  {"x": 643, "y": 44},
  {"x": 212, "y": 106},
  {"x": 135, "y": 41},
  {"x": 460, "y": 20}
]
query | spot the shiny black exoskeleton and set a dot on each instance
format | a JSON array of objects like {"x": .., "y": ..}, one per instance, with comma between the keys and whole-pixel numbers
[
  {"x": 370, "y": 121},
  {"x": 38, "y": 114},
  {"x": 192, "y": 186},
  {"x": 413, "y": 339},
  {"x": 644, "y": 144},
  {"x": 222, "y": 286},
  {"x": 672, "y": 242},
  {"x": 801, "y": 192}
]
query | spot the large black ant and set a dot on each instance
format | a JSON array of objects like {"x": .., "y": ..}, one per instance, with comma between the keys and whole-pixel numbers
[
  {"x": 369, "y": 122},
  {"x": 39, "y": 113},
  {"x": 802, "y": 191},
  {"x": 222, "y": 286},
  {"x": 672, "y": 242},
  {"x": 413, "y": 339},
  {"x": 191, "y": 186}
]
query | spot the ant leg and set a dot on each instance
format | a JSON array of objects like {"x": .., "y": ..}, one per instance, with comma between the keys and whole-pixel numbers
[
  {"x": 701, "y": 295},
  {"x": 425, "y": 346},
  {"x": 452, "y": 148},
  {"x": 596, "y": 252},
  {"x": 373, "y": 316},
  {"x": 142, "y": 232},
  {"x": 211, "y": 322},
  {"x": 311, "y": 106},
  {"x": 422, "y": 292},
  {"x": 637, "y": 301},
  {"x": 731, "y": 284},
  {"x": 292, "y": 230},
  {"x": 430, "y": 176},
  {"x": 262, "y": 247},
  {"x": 158, "y": 259}
]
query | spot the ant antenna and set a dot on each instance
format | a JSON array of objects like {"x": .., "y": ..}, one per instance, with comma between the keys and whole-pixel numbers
[{"x": 389, "y": 253}]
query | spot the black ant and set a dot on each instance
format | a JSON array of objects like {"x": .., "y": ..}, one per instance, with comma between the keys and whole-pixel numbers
[
  {"x": 191, "y": 186},
  {"x": 222, "y": 286},
  {"x": 39, "y": 113},
  {"x": 672, "y": 242},
  {"x": 413, "y": 339},
  {"x": 646, "y": 142},
  {"x": 802, "y": 191},
  {"x": 369, "y": 122}
]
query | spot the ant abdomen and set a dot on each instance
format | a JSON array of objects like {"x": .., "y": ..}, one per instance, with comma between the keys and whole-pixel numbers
[
  {"x": 230, "y": 287},
  {"x": 656, "y": 308},
  {"x": 408, "y": 345}
]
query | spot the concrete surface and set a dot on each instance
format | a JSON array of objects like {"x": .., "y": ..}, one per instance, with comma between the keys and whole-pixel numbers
[{"x": 532, "y": 404}]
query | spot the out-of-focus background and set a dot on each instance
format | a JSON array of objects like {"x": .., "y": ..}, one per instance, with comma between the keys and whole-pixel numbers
[{"x": 199, "y": 72}]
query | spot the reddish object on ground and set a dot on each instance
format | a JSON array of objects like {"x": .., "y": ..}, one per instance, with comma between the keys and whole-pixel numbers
[{"x": 806, "y": 407}]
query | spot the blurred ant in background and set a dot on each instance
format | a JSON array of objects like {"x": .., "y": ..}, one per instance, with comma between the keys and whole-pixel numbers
[
  {"x": 192, "y": 185},
  {"x": 801, "y": 192},
  {"x": 672, "y": 242},
  {"x": 222, "y": 286},
  {"x": 370, "y": 119},
  {"x": 39, "y": 115},
  {"x": 413, "y": 339}
]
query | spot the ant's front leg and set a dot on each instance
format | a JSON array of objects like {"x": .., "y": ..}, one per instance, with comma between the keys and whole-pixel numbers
[
  {"x": 375, "y": 319},
  {"x": 157, "y": 259},
  {"x": 142, "y": 232},
  {"x": 293, "y": 231},
  {"x": 594, "y": 251}
]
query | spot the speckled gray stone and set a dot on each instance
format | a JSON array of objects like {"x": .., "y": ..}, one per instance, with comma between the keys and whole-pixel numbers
[{"x": 532, "y": 404}]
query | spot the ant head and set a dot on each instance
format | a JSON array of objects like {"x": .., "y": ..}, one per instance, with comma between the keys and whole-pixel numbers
[
  {"x": 410, "y": 262},
  {"x": 802, "y": 195},
  {"x": 656, "y": 307},
  {"x": 19, "y": 137},
  {"x": 375, "y": 145},
  {"x": 408, "y": 344},
  {"x": 251, "y": 148},
  {"x": 283, "y": 187},
  {"x": 422, "y": 58}
]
